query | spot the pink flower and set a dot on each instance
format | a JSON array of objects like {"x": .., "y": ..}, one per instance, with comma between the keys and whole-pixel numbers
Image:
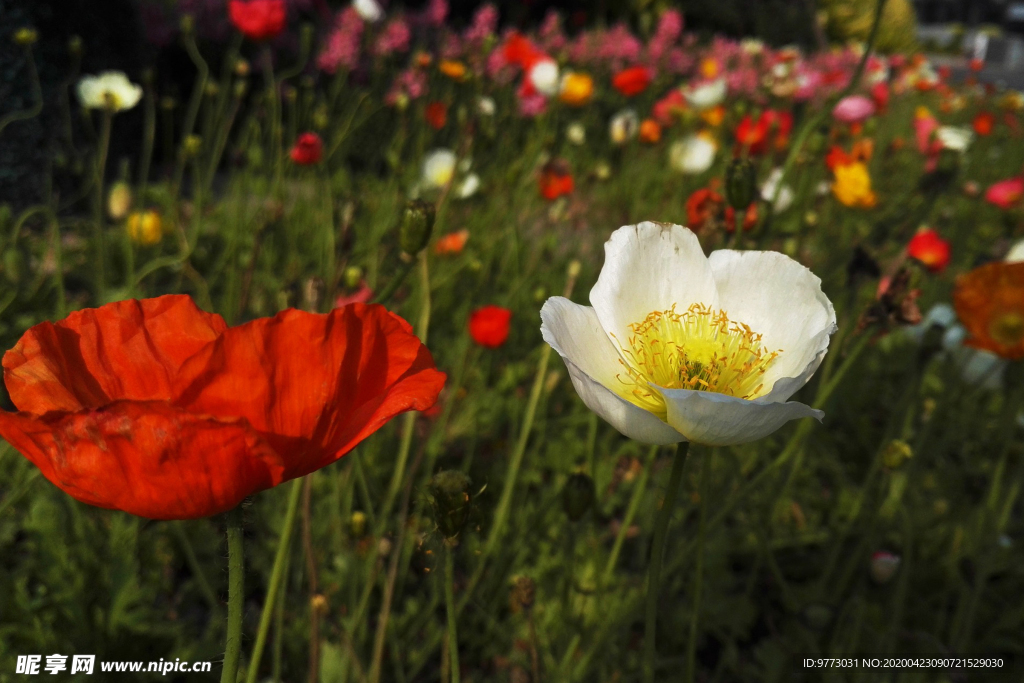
[
  {"x": 394, "y": 38},
  {"x": 360, "y": 296},
  {"x": 619, "y": 47},
  {"x": 485, "y": 23},
  {"x": 853, "y": 109},
  {"x": 410, "y": 84},
  {"x": 667, "y": 107},
  {"x": 531, "y": 105},
  {"x": 1006, "y": 193},
  {"x": 343, "y": 43},
  {"x": 436, "y": 12},
  {"x": 670, "y": 26}
]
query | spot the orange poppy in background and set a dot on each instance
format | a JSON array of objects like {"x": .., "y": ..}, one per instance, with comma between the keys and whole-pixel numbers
[
  {"x": 930, "y": 249},
  {"x": 983, "y": 123},
  {"x": 632, "y": 81},
  {"x": 159, "y": 409},
  {"x": 990, "y": 303},
  {"x": 650, "y": 131},
  {"x": 436, "y": 115},
  {"x": 555, "y": 180},
  {"x": 452, "y": 243},
  {"x": 771, "y": 128}
]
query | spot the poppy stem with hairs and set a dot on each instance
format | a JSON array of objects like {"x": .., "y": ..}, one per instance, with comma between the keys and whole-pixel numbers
[
  {"x": 236, "y": 597},
  {"x": 658, "y": 554},
  {"x": 449, "y": 598}
]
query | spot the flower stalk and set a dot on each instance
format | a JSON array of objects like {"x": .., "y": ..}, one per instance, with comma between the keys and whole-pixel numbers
[{"x": 236, "y": 597}]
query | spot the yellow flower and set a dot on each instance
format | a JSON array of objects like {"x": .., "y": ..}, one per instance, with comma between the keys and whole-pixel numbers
[
  {"x": 452, "y": 69},
  {"x": 576, "y": 89},
  {"x": 145, "y": 227},
  {"x": 852, "y": 186}
]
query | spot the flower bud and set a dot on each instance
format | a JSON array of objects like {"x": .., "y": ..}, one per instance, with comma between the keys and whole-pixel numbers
[
  {"x": 895, "y": 453},
  {"x": 75, "y": 45},
  {"x": 353, "y": 276},
  {"x": 119, "y": 201},
  {"x": 524, "y": 594},
  {"x": 145, "y": 227},
  {"x": 740, "y": 183},
  {"x": 883, "y": 566},
  {"x": 318, "y": 603},
  {"x": 577, "y": 496},
  {"x": 242, "y": 68},
  {"x": 357, "y": 524},
  {"x": 188, "y": 24},
  {"x": 540, "y": 294},
  {"x": 211, "y": 89},
  {"x": 417, "y": 224},
  {"x": 448, "y": 491},
  {"x": 26, "y": 36},
  {"x": 574, "y": 268},
  {"x": 191, "y": 147}
]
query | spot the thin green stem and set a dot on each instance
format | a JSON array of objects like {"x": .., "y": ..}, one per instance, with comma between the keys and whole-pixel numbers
[
  {"x": 37, "y": 94},
  {"x": 236, "y": 597},
  {"x": 657, "y": 555},
  {"x": 691, "y": 650},
  {"x": 276, "y": 579},
  {"x": 627, "y": 521},
  {"x": 449, "y": 598},
  {"x": 101, "y": 233}
]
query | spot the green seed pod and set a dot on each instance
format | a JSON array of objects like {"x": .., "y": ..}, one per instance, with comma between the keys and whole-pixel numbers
[
  {"x": 740, "y": 183},
  {"x": 353, "y": 276},
  {"x": 417, "y": 225},
  {"x": 357, "y": 524},
  {"x": 577, "y": 496},
  {"x": 449, "y": 497},
  {"x": 896, "y": 453}
]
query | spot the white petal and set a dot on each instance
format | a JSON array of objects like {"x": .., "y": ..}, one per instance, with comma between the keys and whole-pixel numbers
[
  {"x": 649, "y": 267},
  {"x": 576, "y": 334},
  {"x": 721, "y": 420},
  {"x": 781, "y": 300}
]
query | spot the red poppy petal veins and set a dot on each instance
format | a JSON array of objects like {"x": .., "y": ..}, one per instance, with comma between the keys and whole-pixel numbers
[
  {"x": 128, "y": 350},
  {"x": 313, "y": 385},
  {"x": 147, "y": 458}
]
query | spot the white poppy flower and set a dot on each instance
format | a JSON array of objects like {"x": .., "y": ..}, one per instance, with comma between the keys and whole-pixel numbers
[
  {"x": 624, "y": 126},
  {"x": 469, "y": 185},
  {"x": 438, "y": 168},
  {"x": 693, "y": 154},
  {"x": 682, "y": 347},
  {"x": 544, "y": 77},
  {"x": 706, "y": 95},
  {"x": 485, "y": 105},
  {"x": 768, "y": 191},
  {"x": 977, "y": 367},
  {"x": 110, "y": 90},
  {"x": 1016, "y": 253},
  {"x": 954, "y": 138},
  {"x": 576, "y": 133},
  {"x": 368, "y": 10}
]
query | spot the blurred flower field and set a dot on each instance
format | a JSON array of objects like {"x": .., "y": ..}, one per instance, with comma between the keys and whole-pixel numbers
[{"x": 404, "y": 350}]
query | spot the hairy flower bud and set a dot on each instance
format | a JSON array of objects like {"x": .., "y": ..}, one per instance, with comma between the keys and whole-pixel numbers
[
  {"x": 577, "y": 496},
  {"x": 417, "y": 225},
  {"x": 740, "y": 183}
]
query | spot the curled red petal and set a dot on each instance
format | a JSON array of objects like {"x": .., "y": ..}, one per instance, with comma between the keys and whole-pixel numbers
[
  {"x": 313, "y": 385},
  {"x": 147, "y": 458},
  {"x": 125, "y": 350}
]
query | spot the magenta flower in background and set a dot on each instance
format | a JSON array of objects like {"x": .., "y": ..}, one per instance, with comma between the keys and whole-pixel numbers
[
  {"x": 670, "y": 27},
  {"x": 482, "y": 28},
  {"x": 344, "y": 42},
  {"x": 409, "y": 85},
  {"x": 1006, "y": 194},
  {"x": 533, "y": 104},
  {"x": 394, "y": 38},
  {"x": 436, "y": 12},
  {"x": 853, "y": 109},
  {"x": 619, "y": 47},
  {"x": 551, "y": 37}
]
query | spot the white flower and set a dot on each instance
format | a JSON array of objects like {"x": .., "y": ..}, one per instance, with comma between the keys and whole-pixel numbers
[
  {"x": 768, "y": 191},
  {"x": 954, "y": 138},
  {"x": 576, "y": 133},
  {"x": 544, "y": 77},
  {"x": 624, "y": 126},
  {"x": 438, "y": 168},
  {"x": 977, "y": 367},
  {"x": 1016, "y": 253},
  {"x": 706, "y": 95},
  {"x": 693, "y": 154},
  {"x": 468, "y": 187},
  {"x": 110, "y": 90},
  {"x": 368, "y": 10},
  {"x": 683, "y": 347},
  {"x": 752, "y": 46},
  {"x": 485, "y": 105}
]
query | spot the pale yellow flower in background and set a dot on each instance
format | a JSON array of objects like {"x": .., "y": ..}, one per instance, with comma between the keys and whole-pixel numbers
[
  {"x": 678, "y": 346},
  {"x": 706, "y": 95},
  {"x": 693, "y": 154},
  {"x": 110, "y": 90},
  {"x": 624, "y": 126},
  {"x": 438, "y": 168}
]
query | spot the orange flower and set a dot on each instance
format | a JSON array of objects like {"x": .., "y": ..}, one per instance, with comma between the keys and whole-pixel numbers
[
  {"x": 452, "y": 69},
  {"x": 452, "y": 243},
  {"x": 632, "y": 81},
  {"x": 983, "y": 123},
  {"x": 931, "y": 250},
  {"x": 423, "y": 59},
  {"x": 577, "y": 89},
  {"x": 436, "y": 115},
  {"x": 555, "y": 181},
  {"x": 990, "y": 303},
  {"x": 714, "y": 116},
  {"x": 160, "y": 409},
  {"x": 709, "y": 68},
  {"x": 650, "y": 131}
]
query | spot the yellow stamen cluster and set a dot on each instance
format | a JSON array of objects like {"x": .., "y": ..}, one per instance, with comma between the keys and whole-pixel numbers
[{"x": 700, "y": 349}]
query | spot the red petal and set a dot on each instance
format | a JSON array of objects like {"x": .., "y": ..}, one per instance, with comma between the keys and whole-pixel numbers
[
  {"x": 125, "y": 350},
  {"x": 313, "y": 385},
  {"x": 147, "y": 458}
]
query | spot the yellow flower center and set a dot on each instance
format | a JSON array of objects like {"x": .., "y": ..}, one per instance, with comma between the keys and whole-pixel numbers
[
  {"x": 701, "y": 349},
  {"x": 1007, "y": 329}
]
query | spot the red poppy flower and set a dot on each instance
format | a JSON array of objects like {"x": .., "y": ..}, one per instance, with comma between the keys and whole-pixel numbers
[
  {"x": 436, "y": 115},
  {"x": 983, "y": 123},
  {"x": 160, "y": 409},
  {"x": 489, "y": 326},
  {"x": 749, "y": 218},
  {"x": 452, "y": 243},
  {"x": 632, "y": 81},
  {"x": 930, "y": 249},
  {"x": 521, "y": 51},
  {"x": 770, "y": 128},
  {"x": 976, "y": 64},
  {"x": 703, "y": 206},
  {"x": 258, "y": 19},
  {"x": 555, "y": 181},
  {"x": 308, "y": 149}
]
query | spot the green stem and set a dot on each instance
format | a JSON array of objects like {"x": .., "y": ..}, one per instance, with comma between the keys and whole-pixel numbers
[
  {"x": 691, "y": 650},
  {"x": 657, "y": 554},
  {"x": 101, "y": 235},
  {"x": 449, "y": 598},
  {"x": 276, "y": 576},
  {"x": 627, "y": 521},
  {"x": 236, "y": 597},
  {"x": 394, "y": 283},
  {"x": 37, "y": 94}
]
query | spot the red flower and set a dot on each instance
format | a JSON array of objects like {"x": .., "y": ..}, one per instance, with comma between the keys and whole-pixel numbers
[
  {"x": 983, "y": 123},
  {"x": 930, "y": 249},
  {"x": 976, "y": 64},
  {"x": 160, "y": 409},
  {"x": 703, "y": 206},
  {"x": 308, "y": 149},
  {"x": 555, "y": 181},
  {"x": 771, "y": 127},
  {"x": 520, "y": 51},
  {"x": 489, "y": 326},
  {"x": 436, "y": 115},
  {"x": 880, "y": 96},
  {"x": 749, "y": 218},
  {"x": 632, "y": 81},
  {"x": 258, "y": 19}
]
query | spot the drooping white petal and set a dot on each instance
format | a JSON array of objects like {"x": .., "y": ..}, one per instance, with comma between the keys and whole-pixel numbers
[
  {"x": 722, "y": 420},
  {"x": 781, "y": 300},
  {"x": 576, "y": 334},
  {"x": 649, "y": 267}
]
